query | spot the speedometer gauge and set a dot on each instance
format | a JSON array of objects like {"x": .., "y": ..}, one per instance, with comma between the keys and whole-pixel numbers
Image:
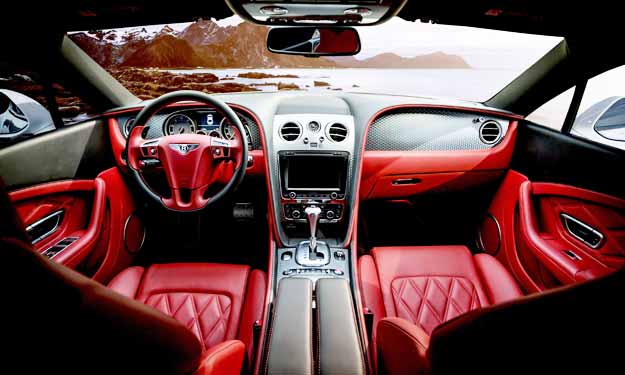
[
  {"x": 227, "y": 130},
  {"x": 180, "y": 124}
]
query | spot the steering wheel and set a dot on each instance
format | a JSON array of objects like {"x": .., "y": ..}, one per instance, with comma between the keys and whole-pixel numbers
[{"x": 192, "y": 163}]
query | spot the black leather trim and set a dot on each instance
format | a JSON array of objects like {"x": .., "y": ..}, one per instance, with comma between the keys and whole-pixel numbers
[
  {"x": 339, "y": 344},
  {"x": 290, "y": 337},
  {"x": 546, "y": 155}
]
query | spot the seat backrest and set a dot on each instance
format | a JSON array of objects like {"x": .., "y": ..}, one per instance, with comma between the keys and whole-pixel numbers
[
  {"x": 575, "y": 329},
  {"x": 56, "y": 321}
]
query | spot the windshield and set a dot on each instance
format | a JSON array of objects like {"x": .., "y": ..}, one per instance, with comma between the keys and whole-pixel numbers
[{"x": 398, "y": 57}]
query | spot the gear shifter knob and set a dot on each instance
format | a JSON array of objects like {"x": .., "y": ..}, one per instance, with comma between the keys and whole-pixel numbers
[{"x": 312, "y": 213}]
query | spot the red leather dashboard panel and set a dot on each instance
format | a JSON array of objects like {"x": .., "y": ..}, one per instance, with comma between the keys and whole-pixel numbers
[{"x": 432, "y": 168}]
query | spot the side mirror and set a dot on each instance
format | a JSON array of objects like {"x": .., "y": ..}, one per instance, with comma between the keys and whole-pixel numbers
[
  {"x": 314, "y": 41},
  {"x": 611, "y": 124},
  {"x": 603, "y": 122},
  {"x": 21, "y": 115}
]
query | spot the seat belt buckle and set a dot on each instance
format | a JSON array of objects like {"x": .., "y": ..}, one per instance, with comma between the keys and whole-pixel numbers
[
  {"x": 256, "y": 330},
  {"x": 369, "y": 321}
]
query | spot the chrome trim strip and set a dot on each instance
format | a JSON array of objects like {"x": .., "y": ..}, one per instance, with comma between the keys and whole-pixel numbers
[
  {"x": 566, "y": 218},
  {"x": 56, "y": 215},
  {"x": 480, "y": 240},
  {"x": 124, "y": 235},
  {"x": 72, "y": 239}
]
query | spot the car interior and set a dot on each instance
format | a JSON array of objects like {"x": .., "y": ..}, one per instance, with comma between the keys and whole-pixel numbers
[{"x": 231, "y": 226}]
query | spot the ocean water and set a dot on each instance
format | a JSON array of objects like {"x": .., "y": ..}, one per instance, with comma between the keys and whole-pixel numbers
[{"x": 465, "y": 84}]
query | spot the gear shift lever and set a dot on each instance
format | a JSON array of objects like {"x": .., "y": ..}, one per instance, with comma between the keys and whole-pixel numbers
[
  {"x": 312, "y": 253},
  {"x": 312, "y": 213}
]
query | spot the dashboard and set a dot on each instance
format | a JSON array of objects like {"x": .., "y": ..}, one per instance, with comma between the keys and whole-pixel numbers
[{"x": 336, "y": 149}]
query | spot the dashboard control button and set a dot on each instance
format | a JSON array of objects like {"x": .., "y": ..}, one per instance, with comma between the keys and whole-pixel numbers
[
  {"x": 338, "y": 272},
  {"x": 330, "y": 215},
  {"x": 296, "y": 214},
  {"x": 305, "y": 140},
  {"x": 339, "y": 255},
  {"x": 287, "y": 255},
  {"x": 292, "y": 195},
  {"x": 334, "y": 195}
]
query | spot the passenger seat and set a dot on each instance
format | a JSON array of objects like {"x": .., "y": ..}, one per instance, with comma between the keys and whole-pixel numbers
[{"x": 427, "y": 286}]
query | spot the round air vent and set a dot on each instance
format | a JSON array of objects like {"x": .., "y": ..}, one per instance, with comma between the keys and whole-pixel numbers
[
  {"x": 127, "y": 126},
  {"x": 490, "y": 132},
  {"x": 290, "y": 131},
  {"x": 337, "y": 132}
]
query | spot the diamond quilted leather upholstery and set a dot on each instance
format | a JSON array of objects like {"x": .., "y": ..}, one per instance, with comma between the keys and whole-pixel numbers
[
  {"x": 217, "y": 302},
  {"x": 431, "y": 300},
  {"x": 427, "y": 286},
  {"x": 206, "y": 315},
  {"x": 432, "y": 284}
]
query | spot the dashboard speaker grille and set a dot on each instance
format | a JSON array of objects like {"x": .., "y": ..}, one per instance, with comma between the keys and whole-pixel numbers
[
  {"x": 490, "y": 132},
  {"x": 337, "y": 132},
  {"x": 290, "y": 131}
]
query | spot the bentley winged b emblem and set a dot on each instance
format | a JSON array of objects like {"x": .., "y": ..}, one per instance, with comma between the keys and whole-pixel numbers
[{"x": 184, "y": 148}]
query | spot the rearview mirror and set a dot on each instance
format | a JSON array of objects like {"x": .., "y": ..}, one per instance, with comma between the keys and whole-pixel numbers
[{"x": 314, "y": 41}]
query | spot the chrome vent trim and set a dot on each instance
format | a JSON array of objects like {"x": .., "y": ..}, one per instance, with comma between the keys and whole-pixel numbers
[
  {"x": 337, "y": 132},
  {"x": 128, "y": 125},
  {"x": 490, "y": 132},
  {"x": 290, "y": 131}
]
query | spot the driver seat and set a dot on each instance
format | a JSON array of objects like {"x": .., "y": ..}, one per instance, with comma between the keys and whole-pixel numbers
[
  {"x": 217, "y": 302},
  {"x": 167, "y": 319}
]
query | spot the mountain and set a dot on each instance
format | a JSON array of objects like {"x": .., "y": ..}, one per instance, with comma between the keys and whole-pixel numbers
[
  {"x": 165, "y": 51},
  {"x": 206, "y": 44},
  {"x": 205, "y": 32},
  {"x": 437, "y": 60}
]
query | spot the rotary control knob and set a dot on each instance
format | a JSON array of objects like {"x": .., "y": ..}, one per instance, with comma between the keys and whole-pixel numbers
[
  {"x": 330, "y": 215},
  {"x": 296, "y": 214}
]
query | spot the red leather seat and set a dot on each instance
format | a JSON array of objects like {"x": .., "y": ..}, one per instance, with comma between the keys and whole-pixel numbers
[
  {"x": 217, "y": 302},
  {"x": 59, "y": 321},
  {"x": 427, "y": 286}
]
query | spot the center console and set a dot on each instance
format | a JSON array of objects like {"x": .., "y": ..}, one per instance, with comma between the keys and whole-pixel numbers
[
  {"x": 314, "y": 161},
  {"x": 312, "y": 167}
]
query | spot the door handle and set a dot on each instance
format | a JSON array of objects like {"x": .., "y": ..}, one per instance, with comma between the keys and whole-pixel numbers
[
  {"x": 406, "y": 181},
  {"x": 582, "y": 231},
  {"x": 45, "y": 226}
]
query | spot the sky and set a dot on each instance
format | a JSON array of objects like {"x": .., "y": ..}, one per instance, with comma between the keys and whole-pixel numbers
[{"x": 481, "y": 48}]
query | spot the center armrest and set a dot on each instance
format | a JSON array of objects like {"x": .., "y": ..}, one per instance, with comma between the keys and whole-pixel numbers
[
  {"x": 340, "y": 351},
  {"x": 290, "y": 337}
]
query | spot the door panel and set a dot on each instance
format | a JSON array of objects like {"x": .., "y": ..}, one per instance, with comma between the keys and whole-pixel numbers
[
  {"x": 99, "y": 230},
  {"x": 543, "y": 232},
  {"x": 80, "y": 209},
  {"x": 560, "y": 213},
  {"x": 69, "y": 176}
]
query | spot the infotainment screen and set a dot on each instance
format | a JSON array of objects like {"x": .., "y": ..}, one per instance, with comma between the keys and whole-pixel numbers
[{"x": 315, "y": 172}]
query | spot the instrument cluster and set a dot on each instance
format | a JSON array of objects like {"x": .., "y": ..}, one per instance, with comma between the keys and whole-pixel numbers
[{"x": 203, "y": 121}]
